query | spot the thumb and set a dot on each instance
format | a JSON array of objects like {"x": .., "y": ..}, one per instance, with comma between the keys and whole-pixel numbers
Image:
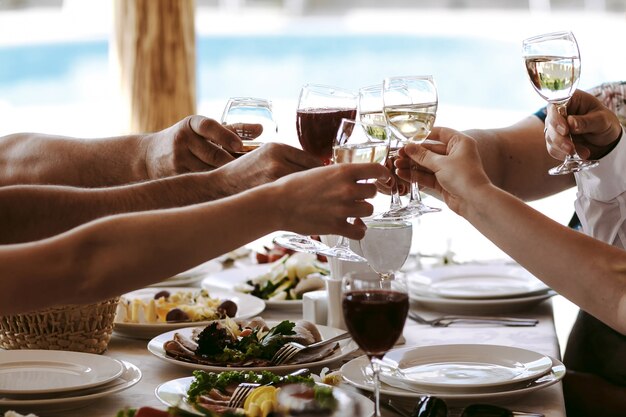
[{"x": 422, "y": 156}]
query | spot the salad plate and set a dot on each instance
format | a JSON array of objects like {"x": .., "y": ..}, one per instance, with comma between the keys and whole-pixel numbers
[
  {"x": 54, "y": 371},
  {"x": 191, "y": 276},
  {"x": 174, "y": 393},
  {"x": 346, "y": 347},
  {"x": 58, "y": 402},
  {"x": 247, "y": 306},
  {"x": 358, "y": 373},
  {"x": 463, "y": 367}
]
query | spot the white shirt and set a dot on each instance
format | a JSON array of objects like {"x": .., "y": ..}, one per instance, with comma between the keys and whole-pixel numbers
[{"x": 601, "y": 197}]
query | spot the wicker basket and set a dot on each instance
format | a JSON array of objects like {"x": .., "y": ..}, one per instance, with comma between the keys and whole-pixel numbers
[{"x": 81, "y": 328}]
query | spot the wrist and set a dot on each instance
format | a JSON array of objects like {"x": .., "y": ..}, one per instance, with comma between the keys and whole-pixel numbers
[{"x": 607, "y": 150}]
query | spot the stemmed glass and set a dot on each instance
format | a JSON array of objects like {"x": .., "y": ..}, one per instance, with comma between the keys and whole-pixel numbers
[
  {"x": 319, "y": 114},
  {"x": 374, "y": 310},
  {"x": 410, "y": 107},
  {"x": 242, "y": 111},
  {"x": 357, "y": 142},
  {"x": 384, "y": 258},
  {"x": 553, "y": 65},
  {"x": 370, "y": 110}
]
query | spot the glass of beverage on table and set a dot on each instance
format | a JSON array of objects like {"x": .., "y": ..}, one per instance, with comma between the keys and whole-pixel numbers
[{"x": 374, "y": 310}]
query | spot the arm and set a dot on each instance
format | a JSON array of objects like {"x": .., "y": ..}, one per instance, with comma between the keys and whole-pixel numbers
[
  {"x": 31, "y": 212},
  {"x": 115, "y": 254},
  {"x": 588, "y": 272},
  {"x": 193, "y": 144}
]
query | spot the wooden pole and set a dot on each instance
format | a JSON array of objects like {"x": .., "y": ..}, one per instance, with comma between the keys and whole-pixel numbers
[{"x": 155, "y": 49}]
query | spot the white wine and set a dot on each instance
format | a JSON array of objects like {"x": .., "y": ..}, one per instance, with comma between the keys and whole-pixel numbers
[
  {"x": 375, "y": 124},
  {"x": 554, "y": 77},
  {"x": 413, "y": 122},
  {"x": 386, "y": 245},
  {"x": 361, "y": 152}
]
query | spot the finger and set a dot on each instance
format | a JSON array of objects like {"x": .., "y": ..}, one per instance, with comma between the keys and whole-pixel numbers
[
  {"x": 423, "y": 156},
  {"x": 364, "y": 171},
  {"x": 558, "y": 145},
  {"x": 354, "y": 231},
  {"x": 193, "y": 164},
  {"x": 298, "y": 158},
  {"x": 209, "y": 153},
  {"x": 210, "y": 130},
  {"x": 246, "y": 131}
]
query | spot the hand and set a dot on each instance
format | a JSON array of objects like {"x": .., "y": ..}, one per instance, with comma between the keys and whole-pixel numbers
[
  {"x": 453, "y": 169},
  {"x": 320, "y": 200},
  {"x": 268, "y": 163},
  {"x": 194, "y": 144},
  {"x": 594, "y": 128},
  {"x": 387, "y": 186}
]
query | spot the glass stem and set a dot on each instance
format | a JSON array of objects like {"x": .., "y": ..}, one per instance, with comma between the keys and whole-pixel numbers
[
  {"x": 562, "y": 109},
  {"x": 416, "y": 198},
  {"x": 376, "y": 376},
  {"x": 396, "y": 203}
]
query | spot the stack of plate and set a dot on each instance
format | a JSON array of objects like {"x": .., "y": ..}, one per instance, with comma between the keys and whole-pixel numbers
[
  {"x": 477, "y": 289},
  {"x": 44, "y": 381},
  {"x": 459, "y": 372}
]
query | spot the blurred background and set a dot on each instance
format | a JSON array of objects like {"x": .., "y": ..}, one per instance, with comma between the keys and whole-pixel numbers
[{"x": 60, "y": 68}]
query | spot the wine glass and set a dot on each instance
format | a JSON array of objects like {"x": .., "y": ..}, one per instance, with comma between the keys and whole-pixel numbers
[
  {"x": 242, "y": 111},
  {"x": 320, "y": 110},
  {"x": 374, "y": 310},
  {"x": 357, "y": 142},
  {"x": 386, "y": 246},
  {"x": 370, "y": 110},
  {"x": 553, "y": 65},
  {"x": 410, "y": 107}
]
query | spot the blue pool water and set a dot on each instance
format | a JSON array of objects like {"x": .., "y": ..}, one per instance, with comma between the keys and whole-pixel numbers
[{"x": 468, "y": 71}]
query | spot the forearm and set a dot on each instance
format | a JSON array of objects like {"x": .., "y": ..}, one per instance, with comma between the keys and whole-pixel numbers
[
  {"x": 588, "y": 272},
  {"x": 30, "y": 158},
  {"x": 33, "y": 212},
  {"x": 515, "y": 159},
  {"x": 116, "y": 254}
]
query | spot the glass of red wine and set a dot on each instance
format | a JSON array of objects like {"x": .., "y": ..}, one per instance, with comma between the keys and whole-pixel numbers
[
  {"x": 374, "y": 310},
  {"x": 320, "y": 111}
]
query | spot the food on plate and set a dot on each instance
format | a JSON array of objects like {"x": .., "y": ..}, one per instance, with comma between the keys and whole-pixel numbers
[
  {"x": 275, "y": 252},
  {"x": 179, "y": 306},
  {"x": 288, "y": 278},
  {"x": 12, "y": 413},
  {"x": 245, "y": 343}
]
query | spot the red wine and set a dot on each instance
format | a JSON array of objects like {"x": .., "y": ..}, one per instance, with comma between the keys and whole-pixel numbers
[
  {"x": 317, "y": 129},
  {"x": 375, "y": 318}
]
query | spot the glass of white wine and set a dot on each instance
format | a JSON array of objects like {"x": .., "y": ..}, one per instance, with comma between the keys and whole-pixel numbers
[
  {"x": 241, "y": 113},
  {"x": 410, "y": 107},
  {"x": 386, "y": 246},
  {"x": 553, "y": 65}
]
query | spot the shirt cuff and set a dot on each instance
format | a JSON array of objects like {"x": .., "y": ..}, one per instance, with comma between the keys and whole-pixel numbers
[{"x": 605, "y": 181}]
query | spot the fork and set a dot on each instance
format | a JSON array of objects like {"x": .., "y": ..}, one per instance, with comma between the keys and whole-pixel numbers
[
  {"x": 445, "y": 321},
  {"x": 290, "y": 349},
  {"x": 245, "y": 388}
]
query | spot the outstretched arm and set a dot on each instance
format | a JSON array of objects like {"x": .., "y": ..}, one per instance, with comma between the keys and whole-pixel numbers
[
  {"x": 115, "y": 254},
  {"x": 31, "y": 212},
  {"x": 588, "y": 272},
  {"x": 194, "y": 144}
]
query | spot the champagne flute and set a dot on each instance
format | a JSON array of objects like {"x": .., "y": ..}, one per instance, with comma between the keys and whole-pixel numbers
[
  {"x": 374, "y": 310},
  {"x": 242, "y": 111},
  {"x": 410, "y": 107},
  {"x": 320, "y": 110},
  {"x": 386, "y": 246},
  {"x": 357, "y": 142},
  {"x": 553, "y": 65},
  {"x": 370, "y": 110}
]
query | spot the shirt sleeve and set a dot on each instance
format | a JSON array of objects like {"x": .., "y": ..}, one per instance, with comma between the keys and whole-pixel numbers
[
  {"x": 606, "y": 181},
  {"x": 541, "y": 114}
]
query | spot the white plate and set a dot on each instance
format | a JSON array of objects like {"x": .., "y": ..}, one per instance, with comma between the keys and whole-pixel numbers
[
  {"x": 62, "y": 402},
  {"x": 478, "y": 282},
  {"x": 174, "y": 393},
  {"x": 247, "y": 306},
  {"x": 48, "y": 371},
  {"x": 155, "y": 346},
  {"x": 229, "y": 278},
  {"x": 358, "y": 373},
  {"x": 463, "y": 367},
  {"x": 477, "y": 307},
  {"x": 191, "y": 276}
]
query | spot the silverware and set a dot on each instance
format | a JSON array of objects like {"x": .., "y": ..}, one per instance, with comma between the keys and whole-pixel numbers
[
  {"x": 245, "y": 388},
  {"x": 289, "y": 350},
  {"x": 445, "y": 321}
]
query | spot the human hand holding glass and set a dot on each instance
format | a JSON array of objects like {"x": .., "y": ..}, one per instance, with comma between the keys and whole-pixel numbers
[
  {"x": 252, "y": 119},
  {"x": 410, "y": 107},
  {"x": 374, "y": 311},
  {"x": 553, "y": 66}
]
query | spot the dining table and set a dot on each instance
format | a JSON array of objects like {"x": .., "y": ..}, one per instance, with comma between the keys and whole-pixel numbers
[{"x": 541, "y": 338}]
